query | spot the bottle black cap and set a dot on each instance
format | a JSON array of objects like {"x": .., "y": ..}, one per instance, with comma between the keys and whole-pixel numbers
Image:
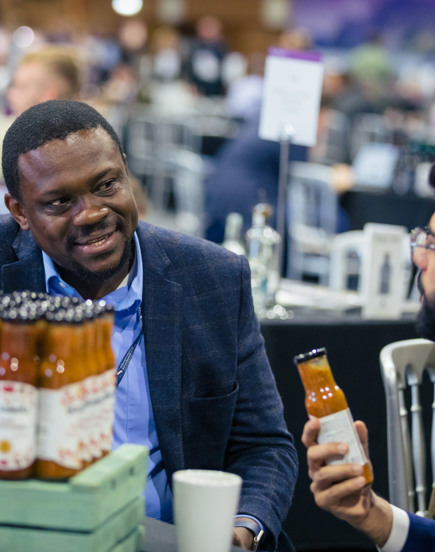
[{"x": 314, "y": 353}]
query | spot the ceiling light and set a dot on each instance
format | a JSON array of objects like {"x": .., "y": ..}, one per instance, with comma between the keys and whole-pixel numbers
[{"x": 127, "y": 7}]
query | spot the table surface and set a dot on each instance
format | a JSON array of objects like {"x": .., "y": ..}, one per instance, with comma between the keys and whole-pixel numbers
[
  {"x": 353, "y": 346},
  {"x": 160, "y": 537}
]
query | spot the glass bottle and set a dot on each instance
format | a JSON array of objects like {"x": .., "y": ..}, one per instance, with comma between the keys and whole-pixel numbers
[
  {"x": 91, "y": 420},
  {"x": 326, "y": 401},
  {"x": 385, "y": 275},
  {"x": 262, "y": 244},
  {"x": 108, "y": 374},
  {"x": 18, "y": 392},
  {"x": 233, "y": 234},
  {"x": 61, "y": 399}
]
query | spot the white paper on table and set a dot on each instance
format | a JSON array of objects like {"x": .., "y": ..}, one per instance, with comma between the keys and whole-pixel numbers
[
  {"x": 291, "y": 95},
  {"x": 382, "y": 284}
]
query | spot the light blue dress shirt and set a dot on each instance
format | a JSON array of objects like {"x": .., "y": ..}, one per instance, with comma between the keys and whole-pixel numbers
[{"x": 134, "y": 418}]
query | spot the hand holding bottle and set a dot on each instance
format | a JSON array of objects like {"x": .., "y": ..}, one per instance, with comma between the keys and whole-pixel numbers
[
  {"x": 341, "y": 489},
  {"x": 325, "y": 400}
]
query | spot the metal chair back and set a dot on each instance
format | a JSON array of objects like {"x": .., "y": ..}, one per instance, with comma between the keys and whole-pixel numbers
[{"x": 402, "y": 365}]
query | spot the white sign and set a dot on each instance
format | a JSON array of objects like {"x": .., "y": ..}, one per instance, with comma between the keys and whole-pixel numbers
[
  {"x": 383, "y": 271},
  {"x": 292, "y": 91}
]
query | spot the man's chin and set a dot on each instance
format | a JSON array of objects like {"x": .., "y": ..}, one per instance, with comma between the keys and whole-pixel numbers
[
  {"x": 425, "y": 324},
  {"x": 92, "y": 277},
  {"x": 80, "y": 273}
]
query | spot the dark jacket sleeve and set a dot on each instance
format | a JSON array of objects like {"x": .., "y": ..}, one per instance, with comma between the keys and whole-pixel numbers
[
  {"x": 260, "y": 448},
  {"x": 421, "y": 535}
]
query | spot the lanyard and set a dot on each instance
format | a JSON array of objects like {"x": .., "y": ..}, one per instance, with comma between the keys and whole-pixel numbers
[{"x": 123, "y": 365}]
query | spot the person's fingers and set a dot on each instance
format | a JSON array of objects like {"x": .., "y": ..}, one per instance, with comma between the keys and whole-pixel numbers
[
  {"x": 310, "y": 432},
  {"x": 332, "y": 474},
  {"x": 363, "y": 434},
  {"x": 319, "y": 455},
  {"x": 331, "y": 497}
]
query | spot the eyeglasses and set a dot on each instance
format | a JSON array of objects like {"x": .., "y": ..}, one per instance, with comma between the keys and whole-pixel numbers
[{"x": 419, "y": 238}]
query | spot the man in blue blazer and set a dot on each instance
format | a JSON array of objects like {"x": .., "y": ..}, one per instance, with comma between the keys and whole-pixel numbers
[
  {"x": 340, "y": 488},
  {"x": 200, "y": 366}
]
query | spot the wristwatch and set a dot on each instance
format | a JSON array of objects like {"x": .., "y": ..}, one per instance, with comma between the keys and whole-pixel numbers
[{"x": 252, "y": 526}]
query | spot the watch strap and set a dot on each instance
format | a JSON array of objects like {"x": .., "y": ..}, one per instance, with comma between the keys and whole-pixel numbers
[{"x": 252, "y": 526}]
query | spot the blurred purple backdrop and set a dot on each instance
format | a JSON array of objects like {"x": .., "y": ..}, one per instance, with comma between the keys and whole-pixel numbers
[{"x": 347, "y": 23}]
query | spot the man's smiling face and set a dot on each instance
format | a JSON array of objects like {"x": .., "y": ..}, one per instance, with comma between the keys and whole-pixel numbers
[{"x": 76, "y": 199}]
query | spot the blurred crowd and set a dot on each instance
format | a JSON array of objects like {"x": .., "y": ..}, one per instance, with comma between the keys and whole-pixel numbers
[
  {"x": 137, "y": 65},
  {"x": 175, "y": 70}
]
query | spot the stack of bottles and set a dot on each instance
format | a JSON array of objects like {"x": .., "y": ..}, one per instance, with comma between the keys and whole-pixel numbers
[{"x": 57, "y": 385}]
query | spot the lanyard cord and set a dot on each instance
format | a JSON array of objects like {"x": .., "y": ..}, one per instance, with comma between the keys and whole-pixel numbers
[{"x": 123, "y": 365}]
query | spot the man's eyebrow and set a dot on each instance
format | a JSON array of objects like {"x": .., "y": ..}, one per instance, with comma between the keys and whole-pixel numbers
[{"x": 429, "y": 231}]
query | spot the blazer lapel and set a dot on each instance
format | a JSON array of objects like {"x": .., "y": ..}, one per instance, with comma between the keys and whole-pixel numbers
[
  {"x": 28, "y": 271},
  {"x": 161, "y": 310}
]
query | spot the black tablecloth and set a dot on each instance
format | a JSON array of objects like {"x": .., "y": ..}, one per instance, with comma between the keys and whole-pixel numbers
[
  {"x": 386, "y": 208},
  {"x": 353, "y": 347}
]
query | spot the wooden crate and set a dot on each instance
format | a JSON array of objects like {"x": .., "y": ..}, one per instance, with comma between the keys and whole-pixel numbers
[{"x": 99, "y": 510}]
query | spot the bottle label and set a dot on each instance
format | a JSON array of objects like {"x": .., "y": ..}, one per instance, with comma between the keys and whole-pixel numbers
[
  {"x": 60, "y": 415},
  {"x": 339, "y": 427},
  {"x": 107, "y": 410},
  {"x": 18, "y": 408},
  {"x": 92, "y": 417}
]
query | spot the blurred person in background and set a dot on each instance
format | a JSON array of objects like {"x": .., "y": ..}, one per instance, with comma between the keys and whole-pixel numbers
[
  {"x": 246, "y": 171},
  {"x": 245, "y": 94},
  {"x": 167, "y": 84},
  {"x": 205, "y": 57},
  {"x": 166, "y": 54},
  {"x": 50, "y": 73},
  {"x": 371, "y": 66}
]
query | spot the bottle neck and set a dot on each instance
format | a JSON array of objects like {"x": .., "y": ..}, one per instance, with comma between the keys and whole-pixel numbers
[
  {"x": 316, "y": 374},
  {"x": 258, "y": 220},
  {"x": 233, "y": 228},
  {"x": 59, "y": 341},
  {"x": 317, "y": 377},
  {"x": 107, "y": 326},
  {"x": 19, "y": 339}
]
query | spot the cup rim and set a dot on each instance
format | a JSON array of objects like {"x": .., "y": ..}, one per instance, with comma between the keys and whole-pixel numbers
[{"x": 216, "y": 478}]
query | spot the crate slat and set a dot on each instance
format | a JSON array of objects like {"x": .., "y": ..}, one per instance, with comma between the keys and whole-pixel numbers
[
  {"x": 83, "y": 502},
  {"x": 109, "y": 535}
]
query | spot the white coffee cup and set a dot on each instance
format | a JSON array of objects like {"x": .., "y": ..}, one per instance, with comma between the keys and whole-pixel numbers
[{"x": 205, "y": 503}]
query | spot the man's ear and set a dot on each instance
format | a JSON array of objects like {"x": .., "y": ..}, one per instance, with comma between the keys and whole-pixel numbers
[{"x": 16, "y": 211}]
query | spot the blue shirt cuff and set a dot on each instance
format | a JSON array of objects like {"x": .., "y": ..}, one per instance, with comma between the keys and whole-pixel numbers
[{"x": 251, "y": 517}]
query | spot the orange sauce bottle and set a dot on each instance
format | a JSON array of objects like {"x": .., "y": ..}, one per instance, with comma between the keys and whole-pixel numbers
[
  {"x": 18, "y": 393},
  {"x": 108, "y": 374},
  {"x": 61, "y": 403},
  {"x": 92, "y": 384},
  {"x": 326, "y": 401}
]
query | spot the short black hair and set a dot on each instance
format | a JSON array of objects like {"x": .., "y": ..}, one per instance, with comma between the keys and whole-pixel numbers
[
  {"x": 432, "y": 176},
  {"x": 52, "y": 120}
]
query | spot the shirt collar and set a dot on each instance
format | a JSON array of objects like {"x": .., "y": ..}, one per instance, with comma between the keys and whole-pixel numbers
[{"x": 129, "y": 292}]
